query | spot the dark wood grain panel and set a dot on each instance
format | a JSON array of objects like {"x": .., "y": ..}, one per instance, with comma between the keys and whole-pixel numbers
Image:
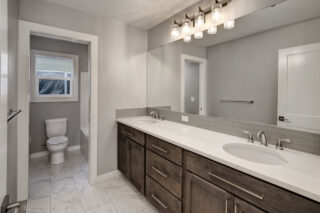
[
  {"x": 123, "y": 154},
  {"x": 165, "y": 149},
  {"x": 136, "y": 161},
  {"x": 204, "y": 197},
  {"x": 160, "y": 198},
  {"x": 272, "y": 198},
  {"x": 132, "y": 133},
  {"x": 241, "y": 206},
  {"x": 166, "y": 173}
]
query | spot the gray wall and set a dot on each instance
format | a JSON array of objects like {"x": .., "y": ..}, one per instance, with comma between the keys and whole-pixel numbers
[
  {"x": 164, "y": 73},
  {"x": 122, "y": 66},
  {"x": 12, "y": 97},
  {"x": 40, "y": 111},
  {"x": 251, "y": 71},
  {"x": 192, "y": 74}
]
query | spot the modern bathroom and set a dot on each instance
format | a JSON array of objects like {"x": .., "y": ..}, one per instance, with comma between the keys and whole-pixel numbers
[{"x": 185, "y": 106}]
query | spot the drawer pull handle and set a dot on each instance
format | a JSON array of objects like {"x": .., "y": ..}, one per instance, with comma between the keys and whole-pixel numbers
[
  {"x": 159, "y": 172},
  {"x": 238, "y": 187},
  {"x": 127, "y": 133},
  {"x": 159, "y": 201},
  {"x": 159, "y": 148}
]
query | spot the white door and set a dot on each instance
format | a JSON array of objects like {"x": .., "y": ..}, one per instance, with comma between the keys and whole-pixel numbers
[
  {"x": 299, "y": 88},
  {"x": 3, "y": 97}
]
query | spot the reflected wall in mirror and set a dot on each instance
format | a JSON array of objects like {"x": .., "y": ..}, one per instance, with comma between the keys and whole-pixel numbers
[{"x": 237, "y": 74}]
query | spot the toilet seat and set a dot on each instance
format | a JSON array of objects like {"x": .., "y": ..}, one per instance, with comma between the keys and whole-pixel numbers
[{"x": 56, "y": 141}]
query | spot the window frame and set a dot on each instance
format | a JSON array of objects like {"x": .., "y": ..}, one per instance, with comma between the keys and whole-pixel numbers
[{"x": 34, "y": 79}]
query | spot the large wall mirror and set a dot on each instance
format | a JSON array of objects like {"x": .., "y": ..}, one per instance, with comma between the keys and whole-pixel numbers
[{"x": 265, "y": 70}]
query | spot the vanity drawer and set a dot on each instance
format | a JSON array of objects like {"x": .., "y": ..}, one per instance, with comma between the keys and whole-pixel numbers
[
  {"x": 160, "y": 198},
  {"x": 131, "y": 133},
  {"x": 166, "y": 173},
  {"x": 165, "y": 149},
  {"x": 262, "y": 194}
]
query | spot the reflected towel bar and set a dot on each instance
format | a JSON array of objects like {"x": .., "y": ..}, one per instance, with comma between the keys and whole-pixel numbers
[
  {"x": 12, "y": 114},
  {"x": 238, "y": 101}
]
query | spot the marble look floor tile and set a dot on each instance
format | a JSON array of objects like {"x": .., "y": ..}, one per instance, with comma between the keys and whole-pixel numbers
[
  {"x": 72, "y": 209},
  {"x": 93, "y": 196},
  {"x": 39, "y": 189},
  {"x": 58, "y": 172},
  {"x": 81, "y": 182},
  {"x": 64, "y": 194},
  {"x": 106, "y": 208},
  {"x": 128, "y": 200},
  {"x": 41, "y": 205}
]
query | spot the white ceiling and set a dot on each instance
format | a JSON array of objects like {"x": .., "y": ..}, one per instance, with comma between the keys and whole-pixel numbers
[
  {"x": 144, "y": 14},
  {"x": 285, "y": 13}
]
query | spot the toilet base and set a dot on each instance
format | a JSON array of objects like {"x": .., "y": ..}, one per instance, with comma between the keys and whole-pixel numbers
[{"x": 57, "y": 157}]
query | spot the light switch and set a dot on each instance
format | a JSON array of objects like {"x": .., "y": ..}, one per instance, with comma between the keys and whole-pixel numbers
[
  {"x": 192, "y": 99},
  {"x": 185, "y": 118}
]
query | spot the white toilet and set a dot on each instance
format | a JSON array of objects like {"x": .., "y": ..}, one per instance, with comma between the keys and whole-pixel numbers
[{"x": 57, "y": 141}]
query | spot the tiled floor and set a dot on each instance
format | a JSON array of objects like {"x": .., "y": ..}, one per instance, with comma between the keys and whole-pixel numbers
[{"x": 64, "y": 189}]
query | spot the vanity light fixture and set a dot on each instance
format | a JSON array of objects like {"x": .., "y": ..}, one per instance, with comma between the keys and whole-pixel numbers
[
  {"x": 221, "y": 12},
  {"x": 199, "y": 24},
  {"x": 216, "y": 13},
  {"x": 229, "y": 19},
  {"x": 175, "y": 31}
]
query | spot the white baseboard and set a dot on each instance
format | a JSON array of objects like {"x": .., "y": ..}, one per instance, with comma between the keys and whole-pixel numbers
[
  {"x": 39, "y": 154},
  {"x": 72, "y": 148},
  {"x": 108, "y": 175},
  {"x": 46, "y": 153}
]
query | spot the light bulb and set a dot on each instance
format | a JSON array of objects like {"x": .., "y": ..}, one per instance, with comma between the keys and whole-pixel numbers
[
  {"x": 212, "y": 29},
  {"x": 175, "y": 32},
  {"x": 198, "y": 35},
  {"x": 228, "y": 25},
  {"x": 186, "y": 27},
  {"x": 187, "y": 39}
]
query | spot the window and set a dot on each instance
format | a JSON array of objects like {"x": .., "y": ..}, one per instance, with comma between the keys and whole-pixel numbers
[{"x": 54, "y": 77}]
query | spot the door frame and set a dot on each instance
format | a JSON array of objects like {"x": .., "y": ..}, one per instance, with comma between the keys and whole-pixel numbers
[
  {"x": 202, "y": 82},
  {"x": 26, "y": 29},
  {"x": 282, "y": 84},
  {"x": 3, "y": 95}
]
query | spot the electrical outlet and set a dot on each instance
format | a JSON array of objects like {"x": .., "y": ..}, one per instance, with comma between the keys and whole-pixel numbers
[{"x": 185, "y": 118}]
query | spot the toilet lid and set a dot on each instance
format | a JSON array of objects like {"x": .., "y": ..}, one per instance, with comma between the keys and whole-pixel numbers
[{"x": 57, "y": 140}]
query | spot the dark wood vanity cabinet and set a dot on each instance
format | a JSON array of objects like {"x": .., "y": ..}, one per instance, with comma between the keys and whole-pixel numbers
[
  {"x": 176, "y": 180},
  {"x": 131, "y": 156},
  {"x": 205, "y": 197}
]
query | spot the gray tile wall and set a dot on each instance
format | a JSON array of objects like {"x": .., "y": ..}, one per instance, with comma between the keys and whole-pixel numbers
[
  {"x": 124, "y": 113},
  {"x": 301, "y": 141}
]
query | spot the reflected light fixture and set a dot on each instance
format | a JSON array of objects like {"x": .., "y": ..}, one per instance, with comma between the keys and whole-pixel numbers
[
  {"x": 187, "y": 39},
  {"x": 212, "y": 29}
]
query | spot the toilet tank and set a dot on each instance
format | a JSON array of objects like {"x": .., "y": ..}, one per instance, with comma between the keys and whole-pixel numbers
[{"x": 56, "y": 127}]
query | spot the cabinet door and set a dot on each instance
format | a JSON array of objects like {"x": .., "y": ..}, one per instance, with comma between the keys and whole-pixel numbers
[
  {"x": 202, "y": 196},
  {"x": 241, "y": 206},
  {"x": 136, "y": 165},
  {"x": 123, "y": 154}
]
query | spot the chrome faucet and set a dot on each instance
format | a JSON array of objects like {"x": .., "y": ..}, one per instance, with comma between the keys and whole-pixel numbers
[
  {"x": 263, "y": 137},
  {"x": 154, "y": 115},
  {"x": 279, "y": 144},
  {"x": 250, "y": 136}
]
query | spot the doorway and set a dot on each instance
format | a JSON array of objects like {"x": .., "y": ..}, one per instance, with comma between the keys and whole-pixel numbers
[
  {"x": 193, "y": 85},
  {"x": 26, "y": 30}
]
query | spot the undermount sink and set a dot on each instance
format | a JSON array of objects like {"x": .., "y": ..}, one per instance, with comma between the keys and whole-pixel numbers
[
  {"x": 255, "y": 154},
  {"x": 146, "y": 121}
]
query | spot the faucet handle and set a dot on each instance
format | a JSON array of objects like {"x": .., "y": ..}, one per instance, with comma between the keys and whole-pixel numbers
[
  {"x": 250, "y": 135},
  {"x": 280, "y": 141}
]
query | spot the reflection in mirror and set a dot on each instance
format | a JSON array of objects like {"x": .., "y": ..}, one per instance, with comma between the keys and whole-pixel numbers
[{"x": 266, "y": 73}]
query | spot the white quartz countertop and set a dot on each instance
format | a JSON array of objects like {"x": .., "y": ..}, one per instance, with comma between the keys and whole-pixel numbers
[{"x": 301, "y": 173}]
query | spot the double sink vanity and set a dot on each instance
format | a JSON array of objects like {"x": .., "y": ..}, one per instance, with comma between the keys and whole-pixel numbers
[{"x": 180, "y": 168}]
